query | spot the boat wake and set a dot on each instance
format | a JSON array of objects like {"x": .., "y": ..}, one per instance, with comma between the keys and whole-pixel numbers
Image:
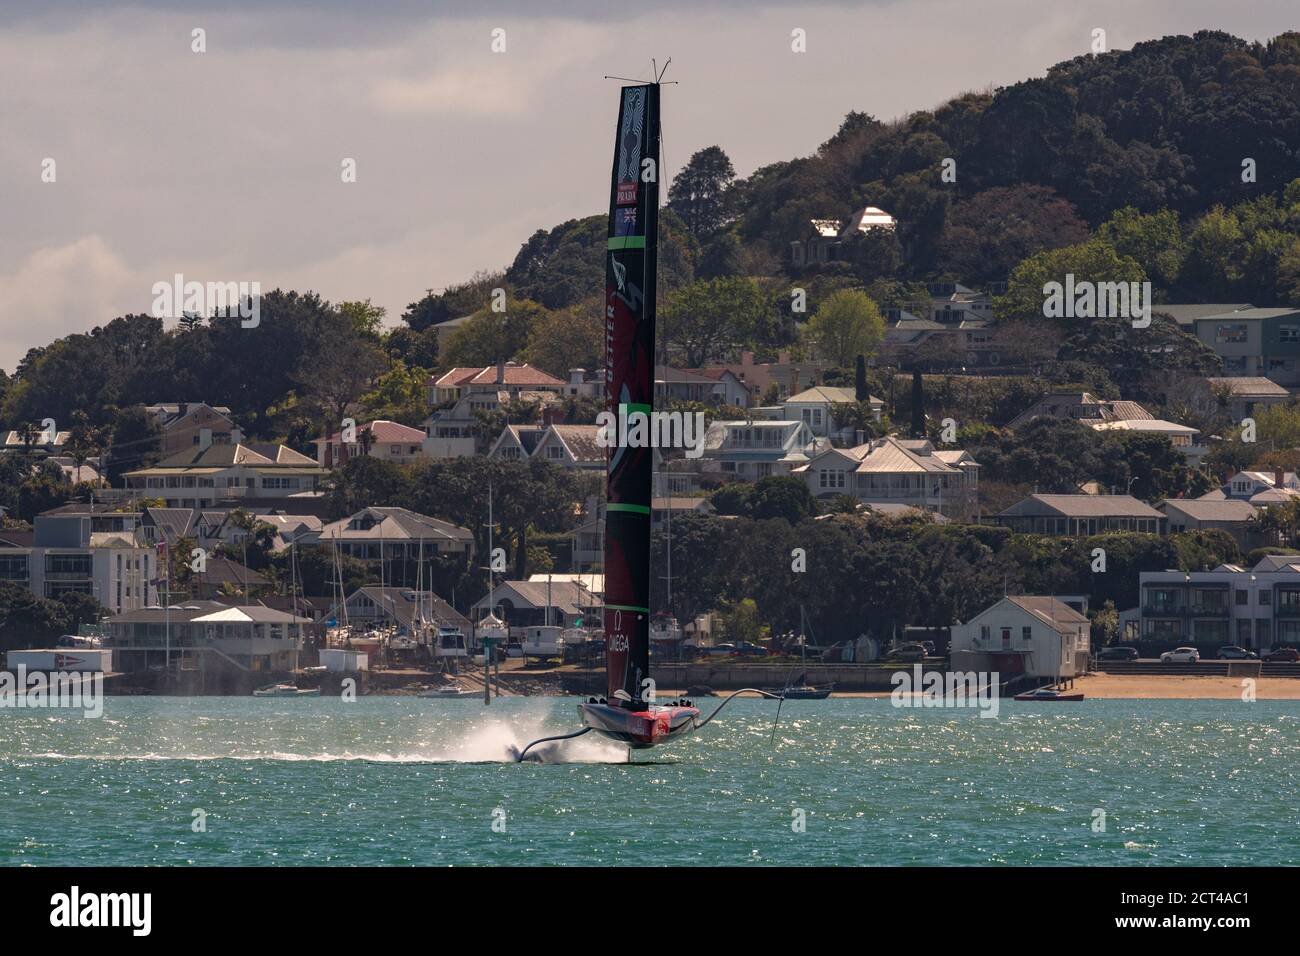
[
  {"x": 495, "y": 741},
  {"x": 500, "y": 742}
]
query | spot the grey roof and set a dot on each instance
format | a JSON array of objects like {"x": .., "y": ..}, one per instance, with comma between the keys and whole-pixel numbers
[
  {"x": 1276, "y": 562},
  {"x": 391, "y": 524},
  {"x": 1048, "y": 609},
  {"x": 1201, "y": 509},
  {"x": 1188, "y": 314},
  {"x": 1082, "y": 506},
  {"x": 174, "y": 523},
  {"x": 1247, "y": 386},
  {"x": 405, "y": 604},
  {"x": 186, "y": 611},
  {"x": 1249, "y": 315}
]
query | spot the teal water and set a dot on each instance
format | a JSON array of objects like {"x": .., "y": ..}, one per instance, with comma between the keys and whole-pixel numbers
[{"x": 410, "y": 781}]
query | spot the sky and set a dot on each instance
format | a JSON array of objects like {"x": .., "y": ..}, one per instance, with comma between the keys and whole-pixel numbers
[{"x": 226, "y": 165}]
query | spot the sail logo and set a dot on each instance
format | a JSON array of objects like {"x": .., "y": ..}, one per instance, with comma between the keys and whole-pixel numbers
[
  {"x": 76, "y": 909},
  {"x": 973, "y": 689},
  {"x": 641, "y": 429},
  {"x": 1098, "y": 300},
  {"x": 39, "y": 690}
]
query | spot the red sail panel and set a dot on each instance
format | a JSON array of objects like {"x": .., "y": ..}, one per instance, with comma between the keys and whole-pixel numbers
[{"x": 630, "y": 262}]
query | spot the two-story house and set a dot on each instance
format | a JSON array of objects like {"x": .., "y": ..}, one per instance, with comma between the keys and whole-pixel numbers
[
  {"x": 391, "y": 441},
  {"x": 201, "y": 477},
  {"x": 750, "y": 450},
  {"x": 453, "y": 429},
  {"x": 899, "y": 471}
]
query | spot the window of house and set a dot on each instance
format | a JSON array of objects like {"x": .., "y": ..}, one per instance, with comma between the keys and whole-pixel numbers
[
  {"x": 1242, "y": 597},
  {"x": 1026, "y": 633},
  {"x": 984, "y": 632},
  {"x": 1289, "y": 333},
  {"x": 1265, "y": 598}
]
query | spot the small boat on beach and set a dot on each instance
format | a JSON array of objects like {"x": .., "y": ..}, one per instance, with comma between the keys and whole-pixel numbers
[
  {"x": 286, "y": 690},
  {"x": 1049, "y": 693}
]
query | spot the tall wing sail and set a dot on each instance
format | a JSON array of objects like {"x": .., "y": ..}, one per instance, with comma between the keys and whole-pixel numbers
[{"x": 630, "y": 262}]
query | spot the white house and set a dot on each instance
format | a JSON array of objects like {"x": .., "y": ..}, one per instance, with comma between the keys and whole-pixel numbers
[
  {"x": 898, "y": 471},
  {"x": 815, "y": 407},
  {"x": 452, "y": 429},
  {"x": 756, "y": 449},
  {"x": 1024, "y": 634}
]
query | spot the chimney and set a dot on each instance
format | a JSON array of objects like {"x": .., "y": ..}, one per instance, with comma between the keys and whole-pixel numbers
[
  {"x": 783, "y": 358},
  {"x": 794, "y": 382},
  {"x": 501, "y": 373},
  {"x": 205, "y": 438},
  {"x": 236, "y": 436},
  {"x": 549, "y": 414},
  {"x": 862, "y": 436},
  {"x": 1279, "y": 479},
  {"x": 747, "y": 358}
]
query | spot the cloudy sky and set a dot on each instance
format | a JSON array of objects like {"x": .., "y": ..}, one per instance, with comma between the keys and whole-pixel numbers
[{"x": 225, "y": 165}]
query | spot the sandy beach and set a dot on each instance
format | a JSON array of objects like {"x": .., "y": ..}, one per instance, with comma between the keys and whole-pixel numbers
[{"x": 1169, "y": 687}]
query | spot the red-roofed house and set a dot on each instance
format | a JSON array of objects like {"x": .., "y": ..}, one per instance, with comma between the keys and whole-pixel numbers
[
  {"x": 391, "y": 441},
  {"x": 452, "y": 430}
]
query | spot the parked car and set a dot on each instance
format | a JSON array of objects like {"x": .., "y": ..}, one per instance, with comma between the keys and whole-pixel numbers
[
  {"x": 1181, "y": 655},
  {"x": 749, "y": 649},
  {"x": 1118, "y": 652},
  {"x": 718, "y": 650},
  {"x": 1231, "y": 652},
  {"x": 907, "y": 652},
  {"x": 1283, "y": 655}
]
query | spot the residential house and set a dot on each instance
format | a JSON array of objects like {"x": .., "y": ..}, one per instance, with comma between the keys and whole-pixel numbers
[
  {"x": 1033, "y": 635},
  {"x": 1257, "y": 608},
  {"x": 1239, "y": 397},
  {"x": 1187, "y": 315},
  {"x": 185, "y": 425},
  {"x": 1255, "y": 343},
  {"x": 1081, "y": 407},
  {"x": 716, "y": 386},
  {"x": 783, "y": 376},
  {"x": 750, "y": 450},
  {"x": 207, "y": 635},
  {"x": 453, "y": 429},
  {"x": 44, "y": 442},
  {"x": 66, "y": 555},
  {"x": 1198, "y": 514},
  {"x": 397, "y": 543},
  {"x": 1260, "y": 487},
  {"x": 222, "y": 576},
  {"x": 1081, "y": 516},
  {"x": 571, "y": 446},
  {"x": 517, "y": 442},
  {"x": 391, "y": 441},
  {"x": 201, "y": 477},
  {"x": 585, "y": 384},
  {"x": 816, "y": 407},
  {"x": 525, "y": 604},
  {"x": 898, "y": 471},
  {"x": 823, "y": 238},
  {"x": 1182, "y": 437}
]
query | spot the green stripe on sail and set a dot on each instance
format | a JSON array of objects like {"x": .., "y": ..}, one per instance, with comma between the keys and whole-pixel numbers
[
  {"x": 635, "y": 407},
  {"x": 625, "y": 242},
  {"x": 635, "y": 509},
  {"x": 628, "y": 607}
]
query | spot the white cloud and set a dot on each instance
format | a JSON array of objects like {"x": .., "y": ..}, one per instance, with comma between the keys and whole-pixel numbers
[{"x": 62, "y": 289}]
